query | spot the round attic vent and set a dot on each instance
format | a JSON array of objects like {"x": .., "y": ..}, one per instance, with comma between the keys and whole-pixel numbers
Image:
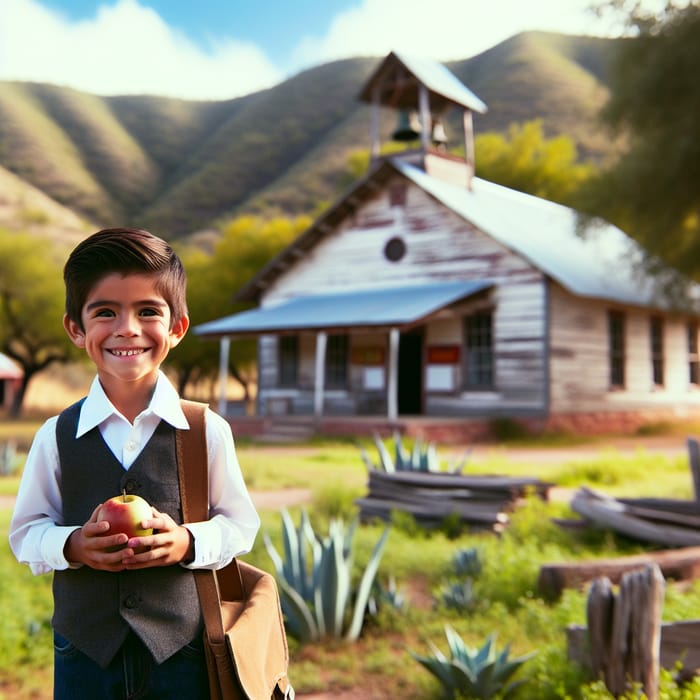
[{"x": 395, "y": 249}]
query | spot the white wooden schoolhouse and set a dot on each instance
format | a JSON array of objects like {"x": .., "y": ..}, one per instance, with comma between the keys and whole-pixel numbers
[{"x": 427, "y": 296}]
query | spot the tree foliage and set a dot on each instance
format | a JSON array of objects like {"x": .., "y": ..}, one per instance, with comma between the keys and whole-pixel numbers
[
  {"x": 245, "y": 246},
  {"x": 526, "y": 161},
  {"x": 653, "y": 190},
  {"x": 31, "y": 307},
  {"x": 523, "y": 159}
]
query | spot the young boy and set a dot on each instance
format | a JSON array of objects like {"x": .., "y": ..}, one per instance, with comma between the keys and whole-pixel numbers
[{"x": 127, "y": 623}]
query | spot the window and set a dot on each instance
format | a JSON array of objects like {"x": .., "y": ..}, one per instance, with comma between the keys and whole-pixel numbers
[
  {"x": 337, "y": 362},
  {"x": 288, "y": 360},
  {"x": 693, "y": 373},
  {"x": 478, "y": 343},
  {"x": 616, "y": 348},
  {"x": 656, "y": 338}
]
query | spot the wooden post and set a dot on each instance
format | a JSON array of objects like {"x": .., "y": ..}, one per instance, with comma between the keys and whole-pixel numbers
[
  {"x": 625, "y": 631},
  {"x": 392, "y": 389},
  {"x": 320, "y": 373},
  {"x": 694, "y": 459},
  {"x": 224, "y": 350}
]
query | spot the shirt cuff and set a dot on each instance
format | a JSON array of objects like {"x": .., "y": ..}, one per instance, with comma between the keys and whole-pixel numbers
[
  {"x": 207, "y": 546},
  {"x": 53, "y": 544}
]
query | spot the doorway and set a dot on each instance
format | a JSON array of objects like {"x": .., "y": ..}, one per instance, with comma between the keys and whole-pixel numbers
[{"x": 410, "y": 379}]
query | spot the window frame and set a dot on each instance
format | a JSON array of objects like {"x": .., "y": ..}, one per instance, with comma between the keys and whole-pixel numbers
[
  {"x": 288, "y": 361},
  {"x": 337, "y": 361},
  {"x": 616, "y": 349},
  {"x": 478, "y": 365},
  {"x": 656, "y": 348}
]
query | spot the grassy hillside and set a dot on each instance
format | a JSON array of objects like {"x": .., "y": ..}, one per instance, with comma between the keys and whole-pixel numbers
[
  {"x": 24, "y": 208},
  {"x": 180, "y": 166}
]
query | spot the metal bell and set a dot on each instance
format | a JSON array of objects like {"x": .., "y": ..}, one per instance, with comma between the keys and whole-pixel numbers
[
  {"x": 439, "y": 133},
  {"x": 407, "y": 126}
]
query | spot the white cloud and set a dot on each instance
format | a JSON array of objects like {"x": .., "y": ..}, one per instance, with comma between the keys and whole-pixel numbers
[
  {"x": 125, "y": 48},
  {"x": 440, "y": 29}
]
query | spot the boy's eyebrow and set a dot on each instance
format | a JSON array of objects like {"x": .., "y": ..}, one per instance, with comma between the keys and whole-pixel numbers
[{"x": 108, "y": 302}]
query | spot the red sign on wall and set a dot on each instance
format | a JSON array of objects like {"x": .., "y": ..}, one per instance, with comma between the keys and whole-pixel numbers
[{"x": 443, "y": 355}]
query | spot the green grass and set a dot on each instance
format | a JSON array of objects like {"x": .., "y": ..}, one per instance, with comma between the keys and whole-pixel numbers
[
  {"x": 26, "y": 642},
  {"x": 507, "y": 602}
]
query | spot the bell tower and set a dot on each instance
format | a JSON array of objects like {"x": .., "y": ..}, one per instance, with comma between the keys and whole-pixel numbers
[{"x": 421, "y": 92}]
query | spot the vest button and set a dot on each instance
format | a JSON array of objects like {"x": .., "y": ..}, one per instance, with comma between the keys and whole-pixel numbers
[
  {"x": 131, "y": 601},
  {"x": 130, "y": 486}
]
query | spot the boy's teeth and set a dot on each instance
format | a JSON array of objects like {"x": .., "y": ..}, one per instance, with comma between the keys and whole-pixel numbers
[{"x": 126, "y": 353}]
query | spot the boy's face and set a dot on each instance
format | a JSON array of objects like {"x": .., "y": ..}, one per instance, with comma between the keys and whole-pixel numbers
[{"x": 127, "y": 329}]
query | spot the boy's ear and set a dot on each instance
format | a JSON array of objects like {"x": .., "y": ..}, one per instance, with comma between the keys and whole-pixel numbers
[
  {"x": 177, "y": 332},
  {"x": 74, "y": 331}
]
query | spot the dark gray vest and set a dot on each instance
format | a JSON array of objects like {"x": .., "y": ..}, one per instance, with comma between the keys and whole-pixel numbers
[{"x": 95, "y": 609}]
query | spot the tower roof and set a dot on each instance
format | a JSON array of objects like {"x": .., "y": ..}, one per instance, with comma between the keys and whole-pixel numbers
[{"x": 398, "y": 76}]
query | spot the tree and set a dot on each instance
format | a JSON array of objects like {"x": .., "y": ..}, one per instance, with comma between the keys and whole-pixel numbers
[
  {"x": 246, "y": 245},
  {"x": 523, "y": 159},
  {"x": 31, "y": 307},
  {"x": 653, "y": 190},
  {"x": 528, "y": 162}
]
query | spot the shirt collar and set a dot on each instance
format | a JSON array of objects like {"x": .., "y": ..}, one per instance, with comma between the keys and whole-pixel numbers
[{"x": 165, "y": 404}]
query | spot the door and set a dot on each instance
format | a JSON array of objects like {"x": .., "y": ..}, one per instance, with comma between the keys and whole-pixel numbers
[{"x": 410, "y": 379}]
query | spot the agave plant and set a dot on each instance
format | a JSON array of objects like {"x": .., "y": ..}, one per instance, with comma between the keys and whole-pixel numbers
[
  {"x": 420, "y": 458},
  {"x": 474, "y": 673},
  {"x": 315, "y": 579},
  {"x": 467, "y": 562},
  {"x": 389, "y": 596},
  {"x": 459, "y": 596}
]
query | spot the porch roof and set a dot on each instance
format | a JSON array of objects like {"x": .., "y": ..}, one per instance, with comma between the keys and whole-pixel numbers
[{"x": 392, "y": 306}]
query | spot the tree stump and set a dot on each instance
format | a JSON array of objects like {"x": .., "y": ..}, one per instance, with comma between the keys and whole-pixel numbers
[{"x": 625, "y": 630}]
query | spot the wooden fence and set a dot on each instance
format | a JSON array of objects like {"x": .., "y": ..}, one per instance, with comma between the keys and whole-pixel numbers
[{"x": 625, "y": 642}]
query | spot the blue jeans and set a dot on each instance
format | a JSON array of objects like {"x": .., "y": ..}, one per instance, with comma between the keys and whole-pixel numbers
[{"x": 132, "y": 675}]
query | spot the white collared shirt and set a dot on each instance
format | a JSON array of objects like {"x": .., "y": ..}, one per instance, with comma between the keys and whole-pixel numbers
[{"x": 37, "y": 533}]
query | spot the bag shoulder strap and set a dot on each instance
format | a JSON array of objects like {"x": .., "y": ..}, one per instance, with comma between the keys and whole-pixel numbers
[
  {"x": 193, "y": 473},
  {"x": 192, "y": 463}
]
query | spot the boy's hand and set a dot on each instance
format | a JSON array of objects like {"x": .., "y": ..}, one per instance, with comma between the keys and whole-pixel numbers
[
  {"x": 169, "y": 544},
  {"x": 88, "y": 546}
]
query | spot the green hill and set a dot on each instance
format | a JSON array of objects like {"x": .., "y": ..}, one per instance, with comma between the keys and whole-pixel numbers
[{"x": 180, "y": 166}]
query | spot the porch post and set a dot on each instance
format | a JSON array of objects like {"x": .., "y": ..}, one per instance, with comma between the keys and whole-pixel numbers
[
  {"x": 425, "y": 118},
  {"x": 375, "y": 146},
  {"x": 319, "y": 373},
  {"x": 224, "y": 347},
  {"x": 392, "y": 397}
]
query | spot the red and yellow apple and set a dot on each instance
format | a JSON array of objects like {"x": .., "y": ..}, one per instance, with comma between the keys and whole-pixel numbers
[{"x": 125, "y": 513}]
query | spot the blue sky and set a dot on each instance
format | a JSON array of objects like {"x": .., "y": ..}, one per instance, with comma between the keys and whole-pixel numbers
[
  {"x": 218, "y": 49},
  {"x": 272, "y": 24}
]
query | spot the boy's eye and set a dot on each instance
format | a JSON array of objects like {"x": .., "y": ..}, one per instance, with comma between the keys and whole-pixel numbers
[
  {"x": 104, "y": 312},
  {"x": 150, "y": 312}
]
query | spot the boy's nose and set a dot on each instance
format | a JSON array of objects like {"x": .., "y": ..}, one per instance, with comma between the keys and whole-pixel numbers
[{"x": 128, "y": 325}]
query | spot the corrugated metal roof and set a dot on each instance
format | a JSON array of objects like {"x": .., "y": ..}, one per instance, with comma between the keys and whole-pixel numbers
[
  {"x": 441, "y": 80},
  {"x": 393, "y": 306},
  {"x": 601, "y": 262}
]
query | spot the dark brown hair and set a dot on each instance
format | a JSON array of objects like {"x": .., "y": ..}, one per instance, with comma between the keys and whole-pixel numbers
[{"x": 124, "y": 251}]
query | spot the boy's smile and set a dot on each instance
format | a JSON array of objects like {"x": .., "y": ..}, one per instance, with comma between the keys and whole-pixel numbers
[{"x": 126, "y": 331}]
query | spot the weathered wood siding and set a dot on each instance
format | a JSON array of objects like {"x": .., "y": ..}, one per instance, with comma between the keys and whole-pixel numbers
[
  {"x": 440, "y": 246},
  {"x": 579, "y": 364}
]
